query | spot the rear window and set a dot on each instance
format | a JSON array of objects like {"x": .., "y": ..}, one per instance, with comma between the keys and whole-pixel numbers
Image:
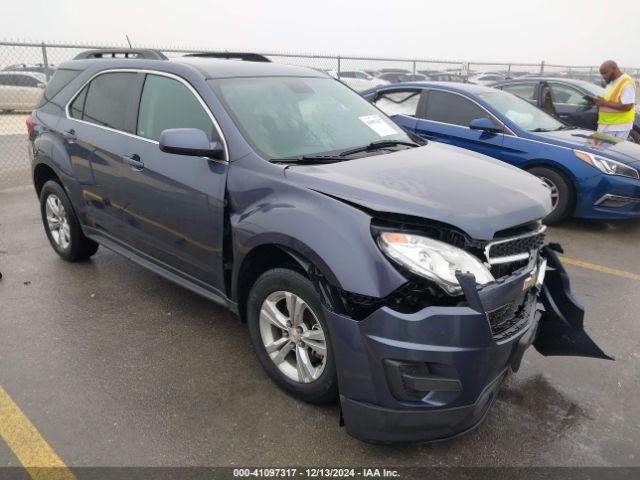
[
  {"x": 106, "y": 101},
  {"x": 59, "y": 80}
]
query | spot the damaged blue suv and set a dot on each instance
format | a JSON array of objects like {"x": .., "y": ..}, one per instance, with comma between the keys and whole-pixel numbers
[{"x": 404, "y": 278}]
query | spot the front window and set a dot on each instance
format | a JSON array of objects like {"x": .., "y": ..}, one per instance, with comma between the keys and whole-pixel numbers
[
  {"x": 293, "y": 116},
  {"x": 520, "y": 112}
]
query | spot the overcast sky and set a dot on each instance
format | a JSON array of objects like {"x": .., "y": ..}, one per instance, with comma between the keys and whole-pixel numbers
[{"x": 559, "y": 31}]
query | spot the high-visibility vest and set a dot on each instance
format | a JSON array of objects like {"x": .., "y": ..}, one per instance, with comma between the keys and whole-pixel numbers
[{"x": 611, "y": 116}]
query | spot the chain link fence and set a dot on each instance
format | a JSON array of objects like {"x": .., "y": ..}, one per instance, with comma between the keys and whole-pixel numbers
[{"x": 25, "y": 68}]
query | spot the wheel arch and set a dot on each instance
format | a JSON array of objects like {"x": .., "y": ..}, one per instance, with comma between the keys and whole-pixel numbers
[{"x": 562, "y": 171}]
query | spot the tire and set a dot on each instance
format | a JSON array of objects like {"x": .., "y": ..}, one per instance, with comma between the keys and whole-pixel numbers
[
  {"x": 559, "y": 184},
  {"x": 634, "y": 136},
  {"x": 321, "y": 383},
  {"x": 68, "y": 241}
]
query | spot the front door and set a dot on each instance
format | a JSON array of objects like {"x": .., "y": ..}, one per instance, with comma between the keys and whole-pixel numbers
[
  {"x": 573, "y": 107},
  {"x": 174, "y": 204},
  {"x": 445, "y": 117}
]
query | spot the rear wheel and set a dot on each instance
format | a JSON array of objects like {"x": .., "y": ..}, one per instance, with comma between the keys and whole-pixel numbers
[
  {"x": 290, "y": 335},
  {"x": 562, "y": 194},
  {"x": 62, "y": 226}
]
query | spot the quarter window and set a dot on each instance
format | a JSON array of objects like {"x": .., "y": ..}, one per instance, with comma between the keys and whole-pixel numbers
[
  {"x": 168, "y": 103},
  {"x": 399, "y": 102},
  {"x": 107, "y": 100},
  {"x": 454, "y": 109}
]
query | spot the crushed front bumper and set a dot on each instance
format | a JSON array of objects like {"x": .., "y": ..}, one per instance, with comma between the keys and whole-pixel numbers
[{"x": 434, "y": 374}]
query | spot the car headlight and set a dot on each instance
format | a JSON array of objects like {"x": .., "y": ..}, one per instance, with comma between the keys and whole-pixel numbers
[
  {"x": 437, "y": 261},
  {"x": 607, "y": 165}
]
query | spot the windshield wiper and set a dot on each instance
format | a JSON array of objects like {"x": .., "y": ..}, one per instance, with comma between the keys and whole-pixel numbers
[
  {"x": 539, "y": 129},
  {"x": 377, "y": 146}
]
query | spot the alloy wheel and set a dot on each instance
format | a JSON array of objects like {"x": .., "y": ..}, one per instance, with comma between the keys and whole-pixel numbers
[
  {"x": 58, "y": 222},
  {"x": 293, "y": 337}
]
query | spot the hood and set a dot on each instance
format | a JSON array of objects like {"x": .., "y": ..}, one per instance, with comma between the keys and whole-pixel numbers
[
  {"x": 475, "y": 193},
  {"x": 594, "y": 142}
]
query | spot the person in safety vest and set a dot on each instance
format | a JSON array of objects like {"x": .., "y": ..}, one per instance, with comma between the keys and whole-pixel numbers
[{"x": 616, "y": 110}]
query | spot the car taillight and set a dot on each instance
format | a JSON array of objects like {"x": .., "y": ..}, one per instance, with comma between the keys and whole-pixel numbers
[{"x": 29, "y": 123}]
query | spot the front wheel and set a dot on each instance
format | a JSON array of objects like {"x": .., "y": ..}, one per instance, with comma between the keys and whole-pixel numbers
[
  {"x": 290, "y": 335},
  {"x": 562, "y": 194}
]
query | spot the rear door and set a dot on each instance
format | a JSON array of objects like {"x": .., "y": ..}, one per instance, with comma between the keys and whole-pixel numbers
[
  {"x": 401, "y": 105},
  {"x": 97, "y": 132},
  {"x": 174, "y": 204},
  {"x": 445, "y": 117}
]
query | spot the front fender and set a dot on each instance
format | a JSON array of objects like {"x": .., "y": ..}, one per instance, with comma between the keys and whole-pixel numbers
[{"x": 334, "y": 236}]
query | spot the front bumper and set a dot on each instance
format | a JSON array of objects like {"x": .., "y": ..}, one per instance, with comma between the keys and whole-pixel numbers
[
  {"x": 602, "y": 198},
  {"x": 433, "y": 374}
]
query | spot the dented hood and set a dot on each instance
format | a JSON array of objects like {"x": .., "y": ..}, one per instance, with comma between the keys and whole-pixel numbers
[{"x": 473, "y": 192}]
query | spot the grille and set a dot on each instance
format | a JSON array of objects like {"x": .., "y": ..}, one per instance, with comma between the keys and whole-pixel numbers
[
  {"x": 509, "y": 319},
  {"x": 521, "y": 245}
]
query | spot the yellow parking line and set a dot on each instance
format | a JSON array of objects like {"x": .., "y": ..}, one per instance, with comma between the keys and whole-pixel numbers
[
  {"x": 599, "y": 268},
  {"x": 23, "y": 438}
]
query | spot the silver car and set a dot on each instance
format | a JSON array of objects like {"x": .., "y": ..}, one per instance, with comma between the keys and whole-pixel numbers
[{"x": 20, "y": 90}]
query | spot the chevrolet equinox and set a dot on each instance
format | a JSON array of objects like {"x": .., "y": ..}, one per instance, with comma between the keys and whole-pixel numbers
[{"x": 405, "y": 279}]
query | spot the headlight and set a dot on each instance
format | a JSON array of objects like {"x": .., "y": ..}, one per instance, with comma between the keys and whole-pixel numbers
[
  {"x": 437, "y": 261},
  {"x": 606, "y": 165}
]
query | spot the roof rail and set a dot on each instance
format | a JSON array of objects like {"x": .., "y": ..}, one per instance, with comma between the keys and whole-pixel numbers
[
  {"x": 137, "y": 53},
  {"x": 247, "y": 57}
]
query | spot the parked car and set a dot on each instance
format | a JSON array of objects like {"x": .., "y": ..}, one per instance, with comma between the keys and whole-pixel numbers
[
  {"x": 46, "y": 70},
  {"x": 372, "y": 72},
  {"x": 486, "y": 78},
  {"x": 402, "y": 279},
  {"x": 396, "y": 77},
  {"x": 20, "y": 91},
  {"x": 436, "y": 76},
  {"x": 589, "y": 175},
  {"x": 569, "y": 100},
  {"x": 357, "y": 79}
]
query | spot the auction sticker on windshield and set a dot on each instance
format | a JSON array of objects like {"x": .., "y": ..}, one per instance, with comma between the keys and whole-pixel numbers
[{"x": 378, "y": 125}]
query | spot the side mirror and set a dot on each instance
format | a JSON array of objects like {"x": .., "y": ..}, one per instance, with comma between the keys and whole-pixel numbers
[
  {"x": 190, "y": 141},
  {"x": 485, "y": 125}
]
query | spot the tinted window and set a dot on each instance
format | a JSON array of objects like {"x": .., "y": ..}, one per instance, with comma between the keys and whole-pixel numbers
[
  {"x": 107, "y": 101},
  {"x": 452, "y": 108},
  {"x": 523, "y": 90},
  {"x": 399, "y": 103},
  {"x": 567, "y": 95},
  {"x": 168, "y": 103},
  {"x": 59, "y": 80},
  {"x": 77, "y": 106}
]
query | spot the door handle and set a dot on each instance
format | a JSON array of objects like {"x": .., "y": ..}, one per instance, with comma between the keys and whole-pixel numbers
[
  {"x": 133, "y": 161},
  {"x": 70, "y": 135}
]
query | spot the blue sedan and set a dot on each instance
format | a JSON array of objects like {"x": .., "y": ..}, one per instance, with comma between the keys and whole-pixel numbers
[{"x": 590, "y": 175}]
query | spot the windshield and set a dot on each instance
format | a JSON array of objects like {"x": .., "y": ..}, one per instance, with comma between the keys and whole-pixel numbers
[
  {"x": 286, "y": 117},
  {"x": 520, "y": 112},
  {"x": 592, "y": 88}
]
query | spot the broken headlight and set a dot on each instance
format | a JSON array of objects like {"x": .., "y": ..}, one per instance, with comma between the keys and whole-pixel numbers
[{"x": 434, "y": 260}]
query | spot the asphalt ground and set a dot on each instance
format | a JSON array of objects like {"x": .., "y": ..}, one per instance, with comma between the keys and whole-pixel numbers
[{"x": 107, "y": 364}]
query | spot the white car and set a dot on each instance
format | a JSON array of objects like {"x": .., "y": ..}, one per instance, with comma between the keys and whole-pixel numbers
[
  {"x": 486, "y": 78},
  {"x": 20, "y": 90},
  {"x": 357, "y": 79}
]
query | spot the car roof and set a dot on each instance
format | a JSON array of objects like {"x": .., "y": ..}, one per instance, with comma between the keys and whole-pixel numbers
[
  {"x": 469, "y": 88},
  {"x": 209, "y": 67},
  {"x": 542, "y": 78}
]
